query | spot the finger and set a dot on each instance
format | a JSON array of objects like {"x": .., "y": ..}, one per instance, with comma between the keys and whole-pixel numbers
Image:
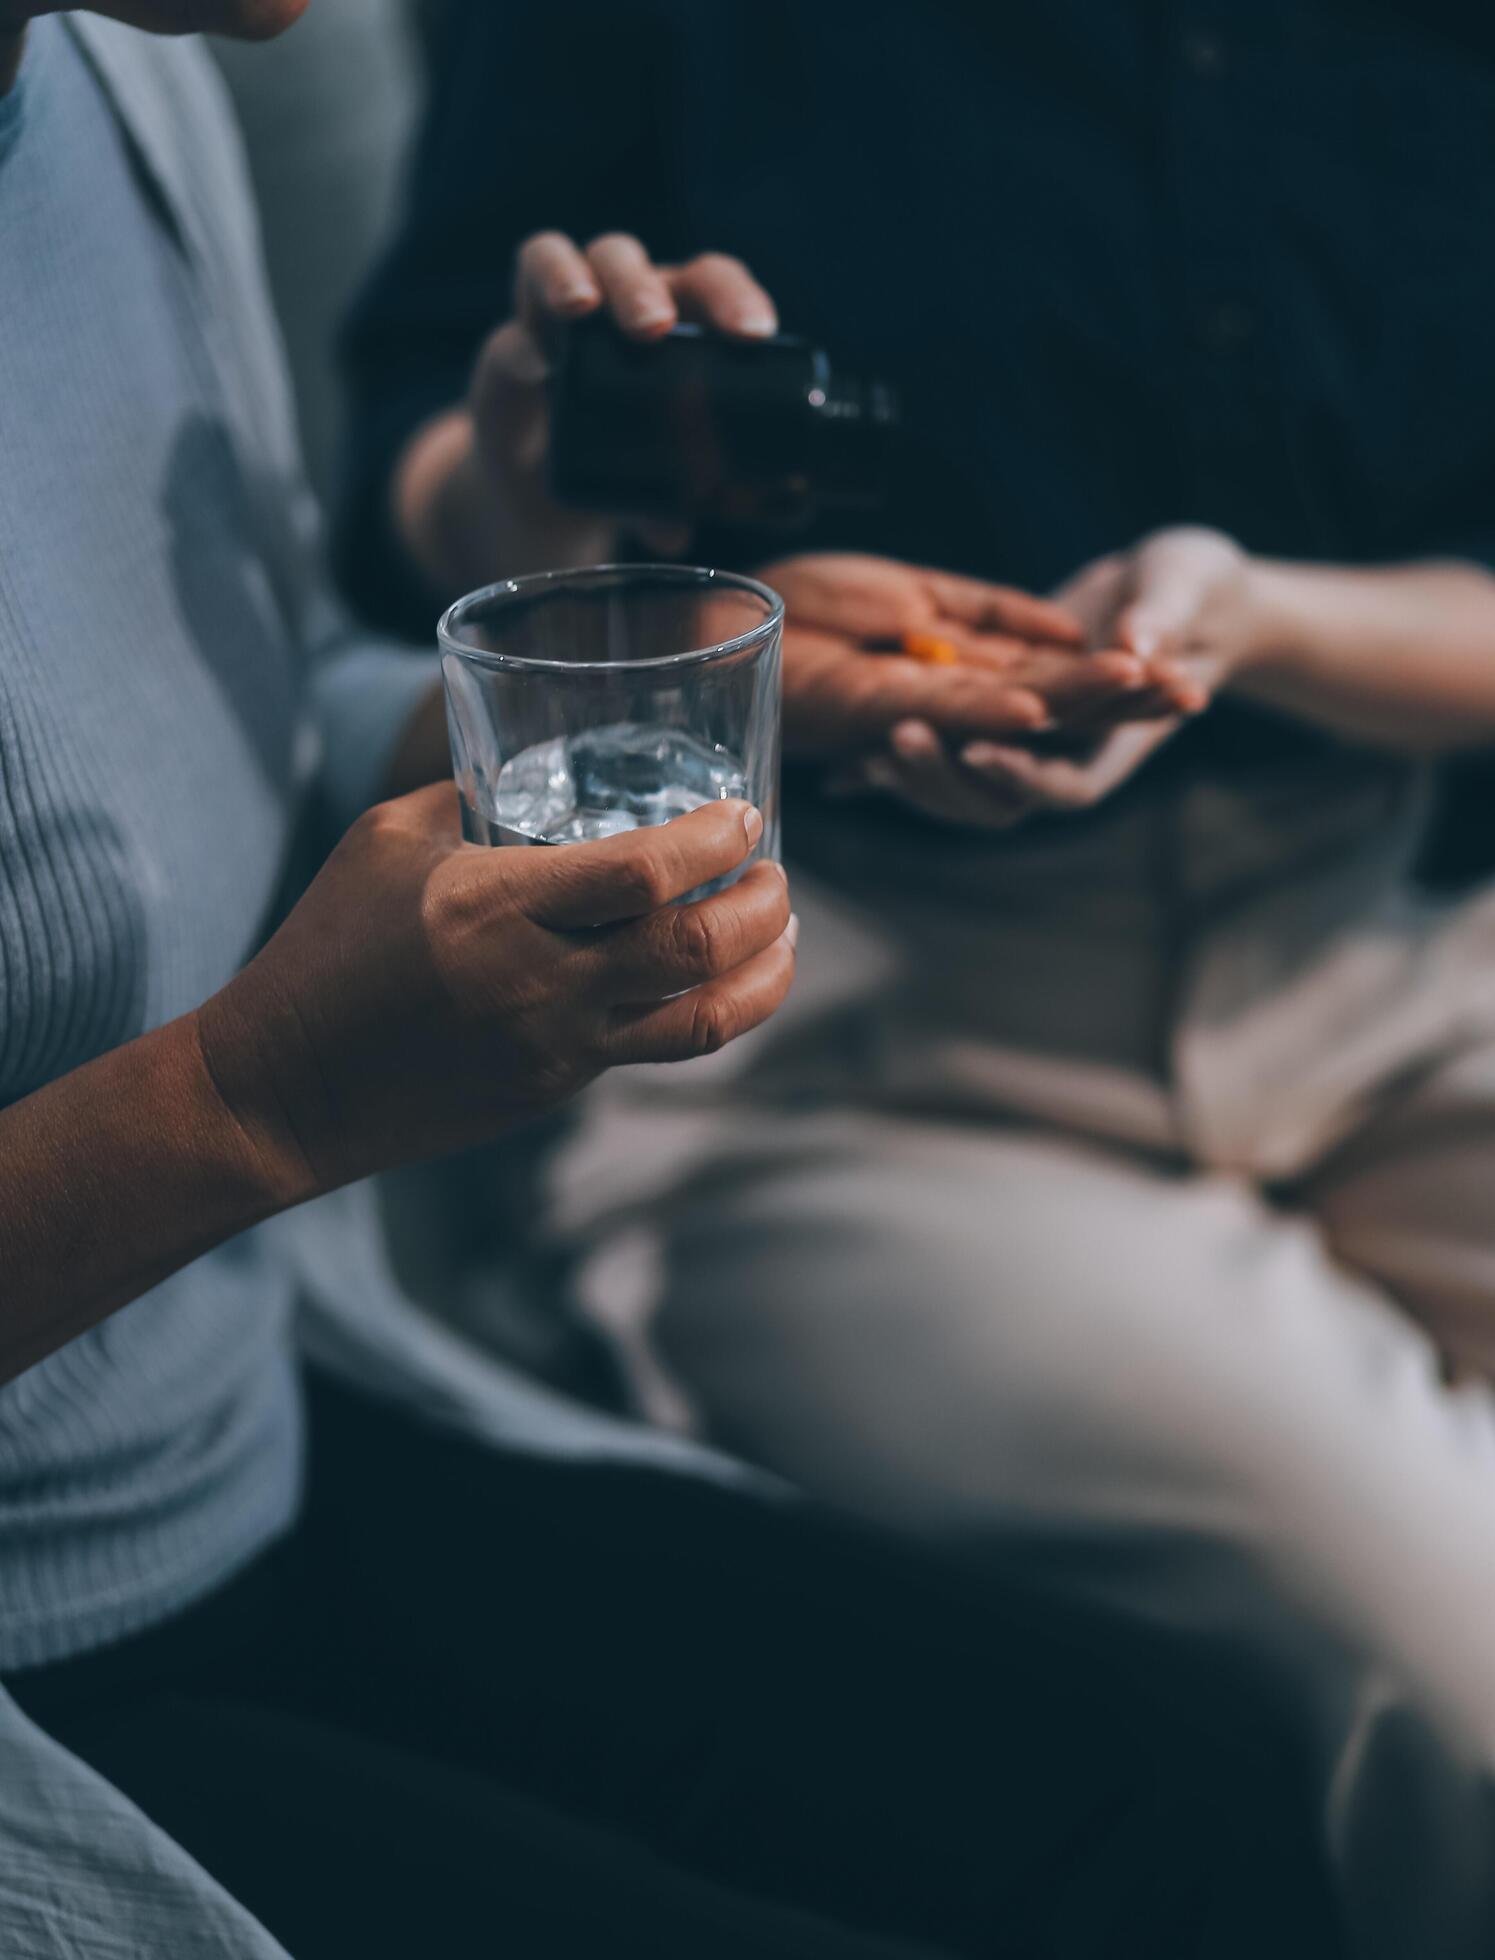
[
  {"x": 514, "y": 358},
  {"x": 1002, "y": 609},
  {"x": 1103, "y": 689},
  {"x": 1095, "y": 595},
  {"x": 509, "y": 400},
  {"x": 921, "y": 772},
  {"x": 1045, "y": 782},
  {"x": 717, "y": 291},
  {"x": 837, "y": 697},
  {"x": 707, "y": 1018},
  {"x": 945, "y": 803},
  {"x": 1068, "y": 679},
  {"x": 685, "y": 945},
  {"x": 877, "y": 690},
  {"x": 1171, "y": 582},
  {"x": 552, "y": 281},
  {"x": 1138, "y": 705},
  {"x": 1180, "y": 690},
  {"x": 574, "y": 886},
  {"x": 635, "y": 290},
  {"x": 1152, "y": 628},
  {"x": 1169, "y": 689}
]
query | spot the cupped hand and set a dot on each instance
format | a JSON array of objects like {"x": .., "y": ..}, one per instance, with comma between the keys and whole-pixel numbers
[
  {"x": 555, "y": 282},
  {"x": 1181, "y": 602},
  {"x": 1021, "y": 664},
  {"x": 427, "y": 993},
  {"x": 1182, "y": 598}
]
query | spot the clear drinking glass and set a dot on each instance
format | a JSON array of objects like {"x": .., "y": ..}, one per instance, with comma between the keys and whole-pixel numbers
[{"x": 588, "y": 702}]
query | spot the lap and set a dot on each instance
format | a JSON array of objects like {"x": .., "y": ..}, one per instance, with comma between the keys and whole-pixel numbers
[
  {"x": 516, "y": 1664},
  {"x": 973, "y": 1330},
  {"x": 758, "y": 1694}
]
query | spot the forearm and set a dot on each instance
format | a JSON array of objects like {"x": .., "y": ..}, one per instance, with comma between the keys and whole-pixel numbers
[
  {"x": 1402, "y": 656},
  {"x": 458, "y": 529},
  {"x": 112, "y": 1178}
]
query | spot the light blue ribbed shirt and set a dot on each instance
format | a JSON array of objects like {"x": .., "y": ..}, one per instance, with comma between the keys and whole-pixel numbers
[
  {"x": 173, "y": 675},
  {"x": 167, "y": 654}
]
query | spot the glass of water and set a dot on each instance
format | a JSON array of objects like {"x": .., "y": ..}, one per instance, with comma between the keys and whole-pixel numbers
[{"x": 589, "y": 702}]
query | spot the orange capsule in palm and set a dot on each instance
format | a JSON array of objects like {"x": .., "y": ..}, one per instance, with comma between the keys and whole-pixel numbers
[{"x": 933, "y": 650}]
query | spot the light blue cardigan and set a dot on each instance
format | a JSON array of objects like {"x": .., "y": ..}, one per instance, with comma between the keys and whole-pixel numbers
[{"x": 83, "y": 1875}]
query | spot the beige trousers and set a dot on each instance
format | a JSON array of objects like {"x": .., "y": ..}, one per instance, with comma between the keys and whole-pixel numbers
[{"x": 1174, "y": 1313}]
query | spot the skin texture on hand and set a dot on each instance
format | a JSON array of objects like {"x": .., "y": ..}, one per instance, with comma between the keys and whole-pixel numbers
[
  {"x": 427, "y": 993},
  {"x": 1401, "y": 657},
  {"x": 470, "y": 495},
  {"x": 1180, "y": 604},
  {"x": 1023, "y": 667},
  {"x": 848, "y": 679},
  {"x": 423, "y": 994}
]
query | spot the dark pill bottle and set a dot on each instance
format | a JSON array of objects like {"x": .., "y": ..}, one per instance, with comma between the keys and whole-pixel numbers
[{"x": 759, "y": 434}]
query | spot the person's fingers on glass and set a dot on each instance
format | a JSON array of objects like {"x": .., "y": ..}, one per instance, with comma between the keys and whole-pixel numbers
[
  {"x": 635, "y": 290},
  {"x": 684, "y": 946},
  {"x": 709, "y": 1017},
  {"x": 426, "y": 993},
  {"x": 716, "y": 290},
  {"x": 636, "y": 872}
]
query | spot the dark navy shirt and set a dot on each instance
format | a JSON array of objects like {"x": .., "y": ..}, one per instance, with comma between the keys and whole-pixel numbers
[{"x": 1127, "y": 263}]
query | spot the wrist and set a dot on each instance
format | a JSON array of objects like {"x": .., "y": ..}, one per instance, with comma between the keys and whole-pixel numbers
[
  {"x": 1271, "y": 619},
  {"x": 437, "y": 500},
  {"x": 465, "y": 523},
  {"x": 248, "y": 1095}
]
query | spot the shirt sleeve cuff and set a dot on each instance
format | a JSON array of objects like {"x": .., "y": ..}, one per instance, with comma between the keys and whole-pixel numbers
[{"x": 365, "y": 696}]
